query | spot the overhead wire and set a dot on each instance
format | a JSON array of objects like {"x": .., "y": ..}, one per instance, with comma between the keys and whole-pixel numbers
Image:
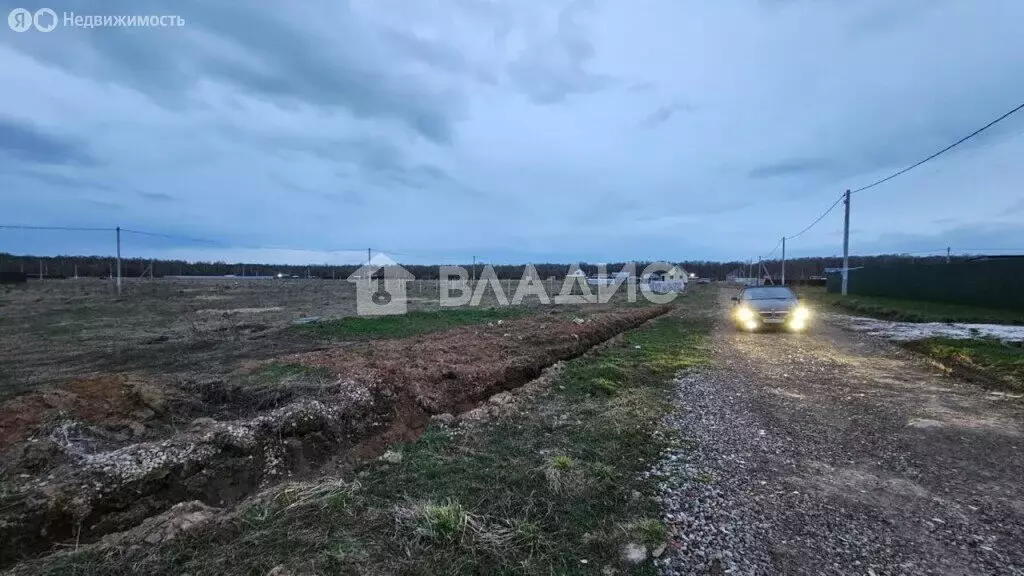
[
  {"x": 67, "y": 228},
  {"x": 941, "y": 152},
  {"x": 903, "y": 171}
]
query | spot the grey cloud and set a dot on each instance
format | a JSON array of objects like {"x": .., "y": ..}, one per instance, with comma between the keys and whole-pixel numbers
[
  {"x": 375, "y": 153},
  {"x": 799, "y": 167},
  {"x": 984, "y": 237},
  {"x": 25, "y": 142},
  {"x": 427, "y": 177},
  {"x": 555, "y": 66},
  {"x": 339, "y": 195},
  {"x": 104, "y": 204},
  {"x": 316, "y": 110},
  {"x": 437, "y": 55},
  {"x": 156, "y": 196},
  {"x": 1015, "y": 208},
  {"x": 291, "y": 65},
  {"x": 379, "y": 161},
  {"x": 663, "y": 114}
]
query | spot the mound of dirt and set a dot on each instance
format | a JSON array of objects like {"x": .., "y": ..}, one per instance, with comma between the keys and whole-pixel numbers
[
  {"x": 454, "y": 371},
  {"x": 385, "y": 392},
  {"x": 109, "y": 401}
]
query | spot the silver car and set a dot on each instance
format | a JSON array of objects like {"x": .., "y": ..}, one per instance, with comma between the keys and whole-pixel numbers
[{"x": 759, "y": 307}]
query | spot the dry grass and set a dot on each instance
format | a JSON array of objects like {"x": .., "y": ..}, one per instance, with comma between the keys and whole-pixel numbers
[{"x": 535, "y": 492}]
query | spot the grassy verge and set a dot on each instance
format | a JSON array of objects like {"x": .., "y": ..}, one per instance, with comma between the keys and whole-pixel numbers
[
  {"x": 911, "y": 310},
  {"x": 555, "y": 488},
  {"x": 991, "y": 359},
  {"x": 402, "y": 326}
]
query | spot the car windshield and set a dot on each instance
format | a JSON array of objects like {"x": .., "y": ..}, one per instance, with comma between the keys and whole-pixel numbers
[{"x": 769, "y": 293}]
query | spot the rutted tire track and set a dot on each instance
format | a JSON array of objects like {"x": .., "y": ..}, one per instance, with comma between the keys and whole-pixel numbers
[
  {"x": 386, "y": 392},
  {"x": 835, "y": 453}
]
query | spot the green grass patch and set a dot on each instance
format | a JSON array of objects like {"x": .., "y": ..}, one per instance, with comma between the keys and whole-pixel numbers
[
  {"x": 983, "y": 356},
  {"x": 553, "y": 489},
  {"x": 404, "y": 325},
  {"x": 911, "y": 310}
]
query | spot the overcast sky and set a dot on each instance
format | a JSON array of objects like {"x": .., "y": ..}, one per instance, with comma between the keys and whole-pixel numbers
[{"x": 526, "y": 130}]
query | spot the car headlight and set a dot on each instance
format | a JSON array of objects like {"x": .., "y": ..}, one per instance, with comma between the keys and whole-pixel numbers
[
  {"x": 801, "y": 313},
  {"x": 744, "y": 314}
]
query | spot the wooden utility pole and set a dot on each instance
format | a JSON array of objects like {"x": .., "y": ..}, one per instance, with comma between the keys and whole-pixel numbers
[
  {"x": 846, "y": 244},
  {"x": 783, "y": 260},
  {"x": 118, "y": 261}
]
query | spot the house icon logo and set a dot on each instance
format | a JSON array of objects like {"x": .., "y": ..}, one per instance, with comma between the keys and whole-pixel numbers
[{"x": 381, "y": 287}]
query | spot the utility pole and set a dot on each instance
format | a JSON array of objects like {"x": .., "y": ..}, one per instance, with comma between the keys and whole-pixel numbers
[
  {"x": 846, "y": 244},
  {"x": 369, "y": 274},
  {"x": 783, "y": 260},
  {"x": 760, "y": 272},
  {"x": 40, "y": 269},
  {"x": 947, "y": 254},
  {"x": 118, "y": 261}
]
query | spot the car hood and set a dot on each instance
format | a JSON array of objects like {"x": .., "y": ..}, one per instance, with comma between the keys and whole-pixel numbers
[{"x": 771, "y": 305}]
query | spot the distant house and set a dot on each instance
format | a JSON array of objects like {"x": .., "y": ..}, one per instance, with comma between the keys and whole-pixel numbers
[
  {"x": 623, "y": 275},
  {"x": 677, "y": 273},
  {"x": 673, "y": 273},
  {"x": 577, "y": 273}
]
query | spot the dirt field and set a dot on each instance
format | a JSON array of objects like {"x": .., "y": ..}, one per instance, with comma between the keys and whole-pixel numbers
[
  {"x": 52, "y": 330},
  {"x": 208, "y": 390}
]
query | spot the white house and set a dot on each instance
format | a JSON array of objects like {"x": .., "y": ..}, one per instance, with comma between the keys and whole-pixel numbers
[{"x": 677, "y": 273}]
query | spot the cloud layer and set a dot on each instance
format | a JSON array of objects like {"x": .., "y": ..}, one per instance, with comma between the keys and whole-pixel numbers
[{"x": 512, "y": 131}]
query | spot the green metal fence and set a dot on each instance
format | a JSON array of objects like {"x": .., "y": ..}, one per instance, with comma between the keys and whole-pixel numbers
[{"x": 988, "y": 282}]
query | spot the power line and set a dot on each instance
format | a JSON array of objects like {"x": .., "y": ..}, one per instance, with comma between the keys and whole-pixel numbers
[
  {"x": 818, "y": 219},
  {"x": 69, "y": 228},
  {"x": 171, "y": 236},
  {"x": 904, "y": 171},
  {"x": 941, "y": 152}
]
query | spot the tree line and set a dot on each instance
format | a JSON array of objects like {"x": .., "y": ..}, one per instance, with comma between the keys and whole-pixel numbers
[{"x": 104, "y": 267}]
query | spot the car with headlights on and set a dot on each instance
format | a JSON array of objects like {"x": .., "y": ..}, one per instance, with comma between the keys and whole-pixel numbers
[{"x": 758, "y": 307}]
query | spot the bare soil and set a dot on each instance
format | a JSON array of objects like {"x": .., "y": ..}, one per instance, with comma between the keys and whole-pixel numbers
[
  {"x": 79, "y": 478},
  {"x": 56, "y": 331}
]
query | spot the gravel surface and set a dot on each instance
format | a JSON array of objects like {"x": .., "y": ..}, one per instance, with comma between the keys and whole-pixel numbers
[{"x": 837, "y": 453}]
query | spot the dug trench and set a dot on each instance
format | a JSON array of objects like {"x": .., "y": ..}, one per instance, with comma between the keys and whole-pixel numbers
[{"x": 382, "y": 393}]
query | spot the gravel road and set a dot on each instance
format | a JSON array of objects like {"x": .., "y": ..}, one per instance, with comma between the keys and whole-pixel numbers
[{"x": 837, "y": 453}]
